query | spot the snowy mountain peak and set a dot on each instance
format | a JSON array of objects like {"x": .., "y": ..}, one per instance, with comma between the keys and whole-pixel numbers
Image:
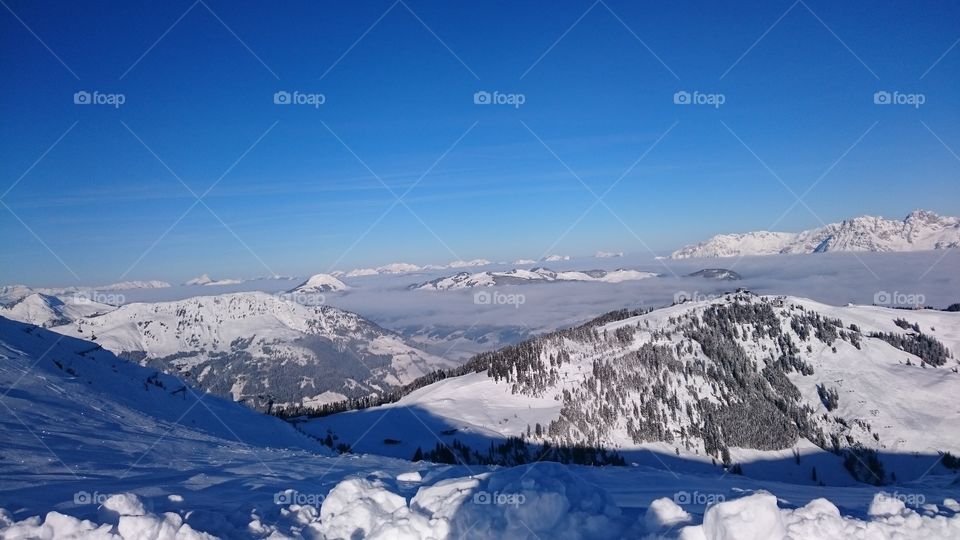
[
  {"x": 920, "y": 230},
  {"x": 201, "y": 280},
  {"x": 320, "y": 283}
]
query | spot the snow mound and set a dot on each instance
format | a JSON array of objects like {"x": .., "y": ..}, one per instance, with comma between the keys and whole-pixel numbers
[
  {"x": 130, "y": 522},
  {"x": 758, "y": 517},
  {"x": 755, "y": 517},
  {"x": 409, "y": 477},
  {"x": 664, "y": 514},
  {"x": 359, "y": 508},
  {"x": 544, "y": 499}
]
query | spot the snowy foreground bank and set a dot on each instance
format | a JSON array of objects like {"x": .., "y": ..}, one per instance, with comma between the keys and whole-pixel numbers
[
  {"x": 94, "y": 446},
  {"x": 542, "y": 501}
]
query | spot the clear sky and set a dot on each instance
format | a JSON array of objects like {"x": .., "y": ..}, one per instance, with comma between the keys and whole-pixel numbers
[{"x": 96, "y": 193}]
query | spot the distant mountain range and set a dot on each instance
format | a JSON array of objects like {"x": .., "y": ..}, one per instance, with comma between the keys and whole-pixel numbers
[
  {"x": 919, "y": 231},
  {"x": 517, "y": 276}
]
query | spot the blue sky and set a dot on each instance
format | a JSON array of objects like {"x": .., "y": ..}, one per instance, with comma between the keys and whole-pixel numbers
[{"x": 296, "y": 189}]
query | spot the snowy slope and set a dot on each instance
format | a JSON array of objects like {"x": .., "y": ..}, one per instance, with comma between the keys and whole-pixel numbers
[
  {"x": 651, "y": 382},
  {"x": 93, "y": 447},
  {"x": 921, "y": 230},
  {"x": 45, "y": 310},
  {"x": 260, "y": 348}
]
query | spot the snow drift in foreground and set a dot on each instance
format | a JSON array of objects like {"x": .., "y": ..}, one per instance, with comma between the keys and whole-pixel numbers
[{"x": 539, "y": 501}]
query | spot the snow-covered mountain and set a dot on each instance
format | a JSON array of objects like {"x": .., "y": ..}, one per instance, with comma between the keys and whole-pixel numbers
[
  {"x": 468, "y": 264},
  {"x": 466, "y": 280},
  {"x": 392, "y": 268},
  {"x": 95, "y": 447},
  {"x": 555, "y": 258},
  {"x": 739, "y": 379},
  {"x": 206, "y": 280},
  {"x": 129, "y": 285},
  {"x": 46, "y": 311},
  {"x": 608, "y": 254},
  {"x": 260, "y": 348},
  {"x": 921, "y": 230},
  {"x": 319, "y": 283}
]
